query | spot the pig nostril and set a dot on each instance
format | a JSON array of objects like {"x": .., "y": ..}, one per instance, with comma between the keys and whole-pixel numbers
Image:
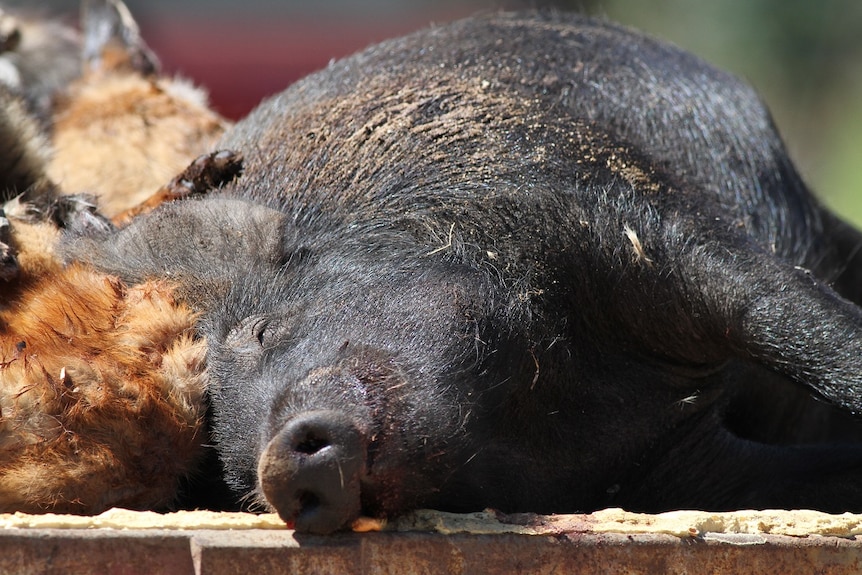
[
  {"x": 311, "y": 444},
  {"x": 310, "y": 471}
]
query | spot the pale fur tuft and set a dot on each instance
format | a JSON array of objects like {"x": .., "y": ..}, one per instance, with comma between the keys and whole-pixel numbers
[{"x": 121, "y": 136}]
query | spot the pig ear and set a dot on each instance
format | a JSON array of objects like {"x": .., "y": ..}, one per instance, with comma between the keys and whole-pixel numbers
[{"x": 112, "y": 40}]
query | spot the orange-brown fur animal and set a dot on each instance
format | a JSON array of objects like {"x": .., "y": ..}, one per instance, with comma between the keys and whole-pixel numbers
[
  {"x": 101, "y": 386},
  {"x": 101, "y": 383},
  {"x": 121, "y": 130}
]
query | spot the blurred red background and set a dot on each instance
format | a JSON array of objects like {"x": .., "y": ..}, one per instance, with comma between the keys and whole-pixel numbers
[{"x": 241, "y": 60}]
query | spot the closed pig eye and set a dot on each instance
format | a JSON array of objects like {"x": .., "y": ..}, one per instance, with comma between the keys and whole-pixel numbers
[
  {"x": 249, "y": 335},
  {"x": 259, "y": 329}
]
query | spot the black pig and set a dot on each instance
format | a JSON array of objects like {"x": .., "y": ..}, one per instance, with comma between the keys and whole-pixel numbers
[{"x": 529, "y": 262}]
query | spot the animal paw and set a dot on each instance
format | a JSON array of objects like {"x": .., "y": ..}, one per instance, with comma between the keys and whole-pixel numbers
[{"x": 207, "y": 172}]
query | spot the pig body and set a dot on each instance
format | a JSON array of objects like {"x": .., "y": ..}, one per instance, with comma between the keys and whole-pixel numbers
[{"x": 528, "y": 262}]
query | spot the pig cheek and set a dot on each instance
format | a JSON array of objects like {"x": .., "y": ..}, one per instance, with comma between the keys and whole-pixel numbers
[{"x": 406, "y": 466}]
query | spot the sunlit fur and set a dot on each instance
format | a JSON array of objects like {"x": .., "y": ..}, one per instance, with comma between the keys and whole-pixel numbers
[
  {"x": 101, "y": 382},
  {"x": 101, "y": 387},
  {"x": 120, "y": 131},
  {"x": 162, "y": 131}
]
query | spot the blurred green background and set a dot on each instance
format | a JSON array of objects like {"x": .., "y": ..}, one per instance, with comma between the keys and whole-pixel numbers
[{"x": 804, "y": 57}]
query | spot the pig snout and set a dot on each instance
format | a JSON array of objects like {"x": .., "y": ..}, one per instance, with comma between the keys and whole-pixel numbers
[{"x": 310, "y": 471}]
